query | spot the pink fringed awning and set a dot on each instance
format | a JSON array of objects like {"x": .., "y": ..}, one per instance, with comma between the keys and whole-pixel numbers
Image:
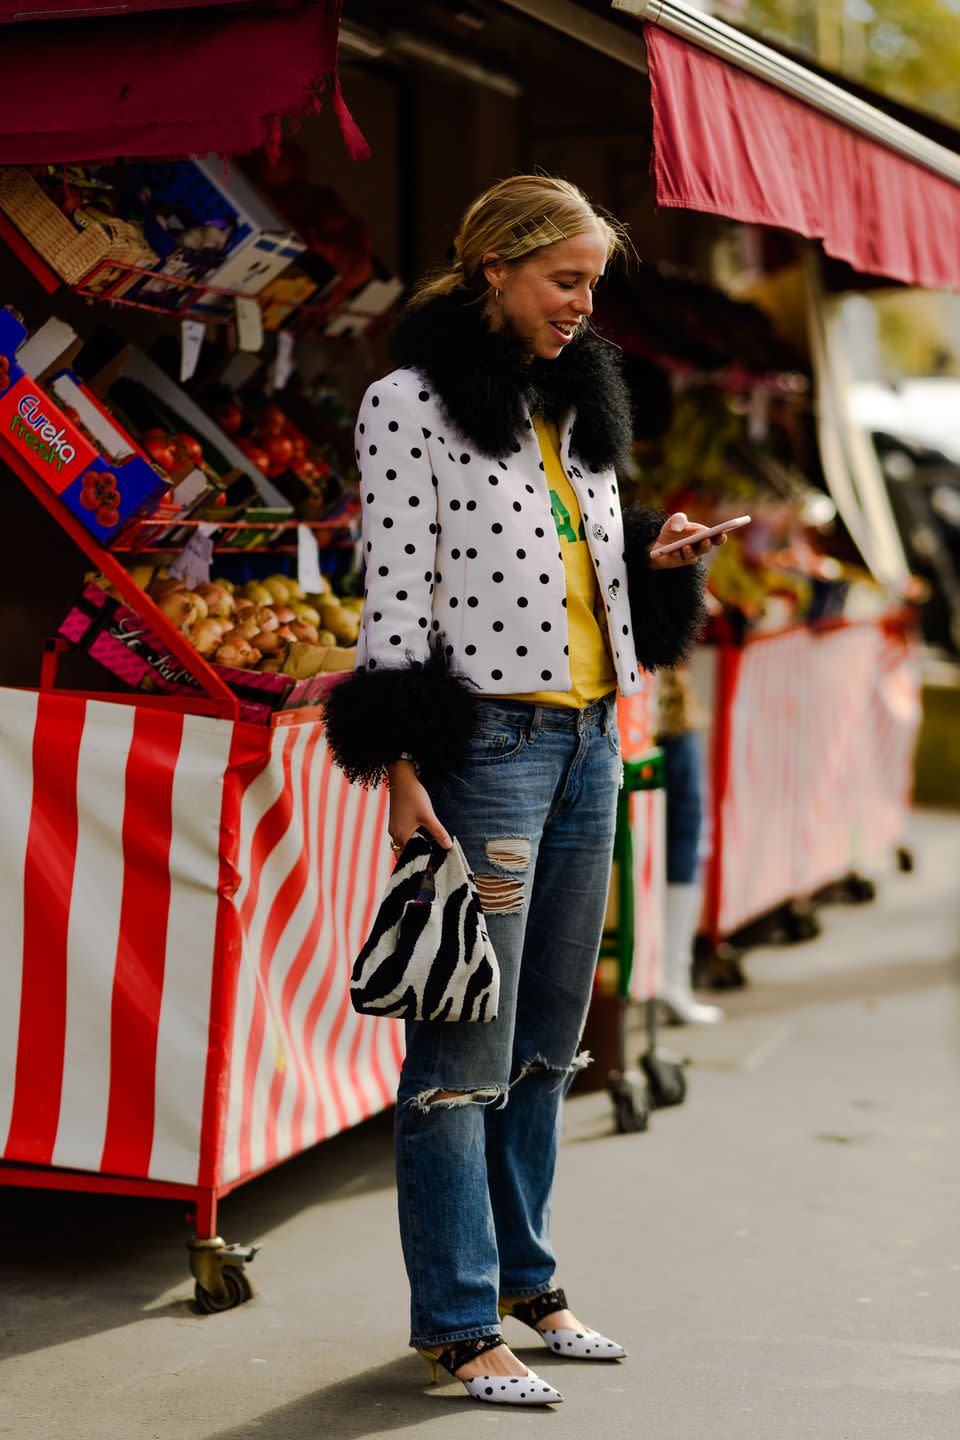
[
  {"x": 183, "y": 82},
  {"x": 732, "y": 145}
]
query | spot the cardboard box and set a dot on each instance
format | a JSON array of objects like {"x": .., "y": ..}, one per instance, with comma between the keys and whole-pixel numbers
[
  {"x": 208, "y": 223},
  {"x": 133, "y": 364},
  {"x": 284, "y": 296},
  {"x": 103, "y": 493},
  {"x": 119, "y": 639}
]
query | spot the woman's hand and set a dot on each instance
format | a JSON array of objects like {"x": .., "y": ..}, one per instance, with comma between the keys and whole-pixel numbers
[
  {"x": 676, "y": 528},
  {"x": 410, "y": 807}
]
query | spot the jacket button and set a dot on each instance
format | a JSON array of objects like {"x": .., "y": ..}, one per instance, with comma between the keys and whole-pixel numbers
[
  {"x": 613, "y": 589},
  {"x": 599, "y": 533}
]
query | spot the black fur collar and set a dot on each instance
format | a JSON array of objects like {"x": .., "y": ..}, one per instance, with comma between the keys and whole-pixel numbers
[{"x": 483, "y": 381}]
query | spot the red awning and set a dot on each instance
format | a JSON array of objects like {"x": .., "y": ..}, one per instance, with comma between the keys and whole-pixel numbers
[
  {"x": 182, "y": 83},
  {"x": 732, "y": 145}
]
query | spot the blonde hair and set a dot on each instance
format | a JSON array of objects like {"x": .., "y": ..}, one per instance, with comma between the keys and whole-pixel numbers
[{"x": 512, "y": 219}]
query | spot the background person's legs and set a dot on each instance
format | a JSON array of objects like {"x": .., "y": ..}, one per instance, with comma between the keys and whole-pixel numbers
[{"x": 685, "y": 808}]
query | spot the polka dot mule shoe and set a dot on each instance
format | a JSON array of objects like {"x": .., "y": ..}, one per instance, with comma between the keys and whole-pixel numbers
[
  {"x": 526, "y": 1389},
  {"x": 572, "y": 1344}
]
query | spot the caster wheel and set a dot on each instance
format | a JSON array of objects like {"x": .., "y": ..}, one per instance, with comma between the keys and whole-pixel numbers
[
  {"x": 718, "y": 967},
  {"x": 906, "y": 863},
  {"x": 859, "y": 889},
  {"x": 237, "y": 1287},
  {"x": 627, "y": 1120},
  {"x": 800, "y": 922},
  {"x": 667, "y": 1082},
  {"x": 631, "y": 1103}
]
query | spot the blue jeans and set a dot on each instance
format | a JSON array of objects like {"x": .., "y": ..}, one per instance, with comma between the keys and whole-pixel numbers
[
  {"x": 534, "y": 808},
  {"x": 683, "y": 773}
]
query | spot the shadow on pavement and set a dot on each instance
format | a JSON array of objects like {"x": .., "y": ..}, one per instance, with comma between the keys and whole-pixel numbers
[
  {"x": 385, "y": 1399},
  {"x": 835, "y": 988},
  {"x": 80, "y": 1264}
]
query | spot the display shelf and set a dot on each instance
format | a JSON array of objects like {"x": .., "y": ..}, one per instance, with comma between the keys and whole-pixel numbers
[
  {"x": 734, "y": 378},
  {"x": 312, "y": 314},
  {"x": 205, "y": 675},
  {"x": 737, "y": 379},
  {"x": 136, "y": 539},
  {"x": 26, "y": 254}
]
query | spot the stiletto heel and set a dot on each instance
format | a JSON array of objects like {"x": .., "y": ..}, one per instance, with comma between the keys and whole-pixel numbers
[
  {"x": 526, "y": 1389},
  {"x": 571, "y": 1344},
  {"x": 434, "y": 1364}
]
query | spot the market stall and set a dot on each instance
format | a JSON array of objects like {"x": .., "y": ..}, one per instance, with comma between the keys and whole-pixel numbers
[
  {"x": 186, "y": 875},
  {"x": 811, "y": 761},
  {"x": 809, "y": 669},
  {"x": 196, "y": 337}
]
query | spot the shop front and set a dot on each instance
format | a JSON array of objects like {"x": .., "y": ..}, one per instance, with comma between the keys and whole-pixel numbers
[{"x": 182, "y": 347}]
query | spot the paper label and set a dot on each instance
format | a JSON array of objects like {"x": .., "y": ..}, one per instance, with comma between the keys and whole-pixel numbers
[
  {"x": 192, "y": 334},
  {"x": 308, "y": 560},
  {"x": 192, "y": 565},
  {"x": 758, "y": 415},
  {"x": 249, "y": 324},
  {"x": 283, "y": 365},
  {"x": 190, "y": 488}
]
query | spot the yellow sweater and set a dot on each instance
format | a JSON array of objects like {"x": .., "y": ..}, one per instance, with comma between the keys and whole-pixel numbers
[{"x": 591, "y": 669}]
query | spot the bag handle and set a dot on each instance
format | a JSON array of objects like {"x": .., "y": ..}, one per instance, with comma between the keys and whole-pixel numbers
[{"x": 423, "y": 851}]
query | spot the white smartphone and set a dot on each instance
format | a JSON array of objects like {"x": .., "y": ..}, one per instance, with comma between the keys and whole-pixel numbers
[{"x": 720, "y": 529}]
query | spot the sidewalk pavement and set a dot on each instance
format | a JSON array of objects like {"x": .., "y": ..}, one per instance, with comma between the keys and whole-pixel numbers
[{"x": 780, "y": 1254}]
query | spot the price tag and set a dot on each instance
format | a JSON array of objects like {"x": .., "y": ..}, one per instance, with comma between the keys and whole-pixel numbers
[
  {"x": 308, "y": 560},
  {"x": 249, "y": 324},
  {"x": 283, "y": 365},
  {"x": 758, "y": 415},
  {"x": 192, "y": 565},
  {"x": 192, "y": 335}
]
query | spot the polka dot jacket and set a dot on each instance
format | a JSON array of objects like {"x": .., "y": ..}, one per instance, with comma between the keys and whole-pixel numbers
[
  {"x": 464, "y": 580},
  {"x": 462, "y": 548}
]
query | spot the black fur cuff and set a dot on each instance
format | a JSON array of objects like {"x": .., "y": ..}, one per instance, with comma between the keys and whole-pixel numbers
[
  {"x": 376, "y": 715},
  {"x": 666, "y": 606}
]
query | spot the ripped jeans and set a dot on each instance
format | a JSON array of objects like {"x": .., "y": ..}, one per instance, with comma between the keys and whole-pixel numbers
[{"x": 534, "y": 809}]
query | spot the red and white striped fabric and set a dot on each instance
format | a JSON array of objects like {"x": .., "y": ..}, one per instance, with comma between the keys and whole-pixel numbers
[
  {"x": 818, "y": 766},
  {"x": 635, "y": 722},
  {"x": 648, "y": 838},
  {"x": 182, "y": 899},
  {"x": 108, "y": 876},
  {"x": 766, "y": 754},
  {"x": 314, "y": 860},
  {"x": 648, "y": 835}
]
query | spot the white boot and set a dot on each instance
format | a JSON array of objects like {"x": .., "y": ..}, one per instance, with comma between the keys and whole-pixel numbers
[{"x": 676, "y": 995}]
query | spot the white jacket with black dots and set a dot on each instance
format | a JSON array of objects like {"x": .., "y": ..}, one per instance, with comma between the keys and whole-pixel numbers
[
  {"x": 465, "y": 583},
  {"x": 462, "y": 549}
]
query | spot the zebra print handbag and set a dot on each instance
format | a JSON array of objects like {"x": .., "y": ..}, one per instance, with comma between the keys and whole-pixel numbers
[{"x": 428, "y": 956}]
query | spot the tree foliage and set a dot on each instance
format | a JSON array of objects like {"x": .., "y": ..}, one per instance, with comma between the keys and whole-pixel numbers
[{"x": 906, "y": 49}]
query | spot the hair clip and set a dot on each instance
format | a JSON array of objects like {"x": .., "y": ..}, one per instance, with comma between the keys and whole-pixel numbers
[{"x": 531, "y": 234}]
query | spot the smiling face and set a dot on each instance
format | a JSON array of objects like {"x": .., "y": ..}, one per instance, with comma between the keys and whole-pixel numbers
[{"x": 545, "y": 297}]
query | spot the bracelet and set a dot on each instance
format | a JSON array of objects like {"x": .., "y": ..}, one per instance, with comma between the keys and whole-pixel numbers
[{"x": 405, "y": 755}]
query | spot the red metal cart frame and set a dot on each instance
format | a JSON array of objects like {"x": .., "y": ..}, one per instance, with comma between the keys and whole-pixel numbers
[{"x": 183, "y": 897}]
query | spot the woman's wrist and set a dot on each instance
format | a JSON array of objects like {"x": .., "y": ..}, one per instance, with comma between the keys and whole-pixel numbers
[{"x": 405, "y": 767}]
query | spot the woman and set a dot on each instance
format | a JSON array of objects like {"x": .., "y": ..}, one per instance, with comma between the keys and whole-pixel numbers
[{"x": 507, "y": 600}]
